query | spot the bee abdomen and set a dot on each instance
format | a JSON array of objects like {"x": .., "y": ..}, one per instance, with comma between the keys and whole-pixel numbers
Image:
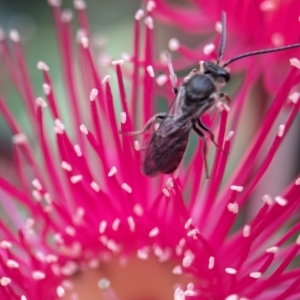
[{"x": 169, "y": 151}]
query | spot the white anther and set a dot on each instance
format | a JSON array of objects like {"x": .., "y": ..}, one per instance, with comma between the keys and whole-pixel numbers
[
  {"x": 281, "y": 201},
  {"x": 79, "y": 4},
  {"x": 138, "y": 210},
  {"x": 84, "y": 41},
  {"x": 187, "y": 261},
  {"x": 103, "y": 284},
  {"x": 137, "y": 146},
  {"x": 237, "y": 188},
  {"x": 277, "y": 39},
  {"x": 161, "y": 79},
  {"x": 51, "y": 258},
  {"x": 59, "y": 124},
  {"x": 43, "y": 66},
  {"x": 4, "y": 281},
  {"x": 150, "y": 71},
  {"x": 211, "y": 262},
  {"x": 231, "y": 271},
  {"x": 5, "y": 244},
  {"x": 177, "y": 270},
  {"x": 119, "y": 62},
  {"x": 54, "y": 3},
  {"x": 83, "y": 129},
  {"x": 36, "y": 195},
  {"x": 166, "y": 192},
  {"x": 37, "y": 184},
  {"x": 115, "y": 225},
  {"x": 93, "y": 263},
  {"x": 102, "y": 226},
  {"x": 150, "y": 5},
  {"x": 126, "y": 188},
  {"x": 233, "y": 207},
  {"x": 267, "y": 199},
  {"x": 38, "y": 275},
  {"x": 123, "y": 116},
  {"x": 95, "y": 186},
  {"x": 142, "y": 254},
  {"x": 67, "y": 16},
  {"x": 93, "y": 94},
  {"x": 106, "y": 79},
  {"x": 218, "y": 27},
  {"x": 46, "y": 89},
  {"x": 112, "y": 171},
  {"x": 29, "y": 223},
  {"x": 131, "y": 223},
  {"x": 179, "y": 294},
  {"x": 232, "y": 297},
  {"x": 273, "y": 249},
  {"x": 77, "y": 150},
  {"x": 246, "y": 231},
  {"x": 154, "y": 232},
  {"x": 41, "y": 102},
  {"x": 12, "y": 264},
  {"x": 188, "y": 223},
  {"x": 19, "y": 138},
  {"x": 76, "y": 178},
  {"x": 139, "y": 14},
  {"x": 294, "y": 97},
  {"x": 70, "y": 231},
  {"x": 66, "y": 166},
  {"x": 298, "y": 240},
  {"x": 229, "y": 135},
  {"x": 255, "y": 275},
  {"x": 189, "y": 293},
  {"x": 60, "y": 291},
  {"x": 295, "y": 62},
  {"x": 174, "y": 44},
  {"x": 281, "y": 130},
  {"x": 149, "y": 22},
  {"x": 209, "y": 48},
  {"x": 14, "y": 35},
  {"x": 125, "y": 56},
  {"x": 193, "y": 232},
  {"x": 169, "y": 183},
  {"x": 267, "y": 5}
]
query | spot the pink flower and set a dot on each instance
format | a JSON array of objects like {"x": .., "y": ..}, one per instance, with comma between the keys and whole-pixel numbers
[
  {"x": 252, "y": 25},
  {"x": 80, "y": 210}
]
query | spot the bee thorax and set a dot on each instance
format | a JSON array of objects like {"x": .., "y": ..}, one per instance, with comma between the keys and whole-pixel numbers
[{"x": 199, "y": 88}]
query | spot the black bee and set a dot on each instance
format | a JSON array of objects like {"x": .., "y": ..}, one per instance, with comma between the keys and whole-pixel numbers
[{"x": 199, "y": 91}]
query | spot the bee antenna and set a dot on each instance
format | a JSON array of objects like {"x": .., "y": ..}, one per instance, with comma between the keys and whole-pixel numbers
[
  {"x": 223, "y": 39},
  {"x": 260, "y": 52}
]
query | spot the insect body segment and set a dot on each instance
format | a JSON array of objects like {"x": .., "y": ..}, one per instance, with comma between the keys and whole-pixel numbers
[{"x": 163, "y": 151}]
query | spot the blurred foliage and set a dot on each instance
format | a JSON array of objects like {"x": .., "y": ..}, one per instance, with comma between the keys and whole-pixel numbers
[{"x": 110, "y": 20}]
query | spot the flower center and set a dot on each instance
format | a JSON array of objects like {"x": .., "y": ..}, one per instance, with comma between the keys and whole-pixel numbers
[{"x": 127, "y": 279}]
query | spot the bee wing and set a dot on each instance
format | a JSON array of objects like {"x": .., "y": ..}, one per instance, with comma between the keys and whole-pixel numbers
[{"x": 158, "y": 147}]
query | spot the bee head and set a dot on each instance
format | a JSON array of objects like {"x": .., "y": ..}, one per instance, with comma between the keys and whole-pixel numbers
[{"x": 218, "y": 74}]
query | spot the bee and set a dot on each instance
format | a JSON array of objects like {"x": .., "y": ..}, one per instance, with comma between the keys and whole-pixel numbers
[{"x": 163, "y": 151}]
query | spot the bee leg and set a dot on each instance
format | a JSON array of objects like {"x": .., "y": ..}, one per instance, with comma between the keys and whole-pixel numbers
[
  {"x": 225, "y": 98},
  {"x": 204, "y": 150},
  {"x": 211, "y": 135},
  {"x": 147, "y": 126}
]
